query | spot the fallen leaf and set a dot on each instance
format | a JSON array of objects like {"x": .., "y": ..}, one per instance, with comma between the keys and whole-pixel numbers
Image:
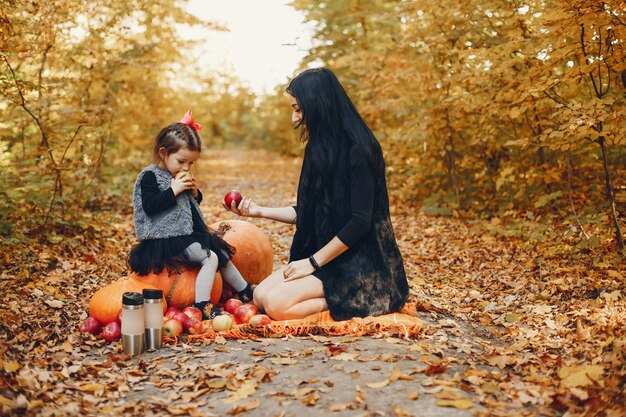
[
  {"x": 246, "y": 389},
  {"x": 321, "y": 339},
  {"x": 580, "y": 376},
  {"x": 55, "y": 303},
  {"x": 511, "y": 318},
  {"x": 342, "y": 407},
  {"x": 460, "y": 403},
  {"x": 345, "y": 356},
  {"x": 251, "y": 405},
  {"x": 283, "y": 361},
  {"x": 11, "y": 366},
  {"x": 378, "y": 384},
  {"x": 400, "y": 412},
  {"x": 579, "y": 393},
  {"x": 435, "y": 369},
  {"x": 92, "y": 387}
]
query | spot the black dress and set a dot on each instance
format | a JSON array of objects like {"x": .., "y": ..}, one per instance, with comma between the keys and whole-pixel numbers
[
  {"x": 369, "y": 278},
  {"x": 154, "y": 255}
]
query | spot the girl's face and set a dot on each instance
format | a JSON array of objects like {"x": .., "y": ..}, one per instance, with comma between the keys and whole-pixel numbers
[
  {"x": 181, "y": 160},
  {"x": 296, "y": 115}
]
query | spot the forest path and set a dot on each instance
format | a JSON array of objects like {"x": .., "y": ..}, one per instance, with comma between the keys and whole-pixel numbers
[{"x": 491, "y": 348}]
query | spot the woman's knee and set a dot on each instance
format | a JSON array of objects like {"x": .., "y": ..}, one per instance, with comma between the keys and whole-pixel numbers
[
  {"x": 258, "y": 298},
  {"x": 276, "y": 305}
]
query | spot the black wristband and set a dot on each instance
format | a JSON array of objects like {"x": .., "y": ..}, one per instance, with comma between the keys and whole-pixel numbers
[{"x": 316, "y": 266}]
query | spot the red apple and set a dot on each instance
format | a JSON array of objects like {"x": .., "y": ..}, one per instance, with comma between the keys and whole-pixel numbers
[
  {"x": 172, "y": 328},
  {"x": 180, "y": 316},
  {"x": 244, "y": 312},
  {"x": 119, "y": 317},
  {"x": 259, "y": 320},
  {"x": 232, "y": 304},
  {"x": 232, "y": 195},
  {"x": 91, "y": 325},
  {"x": 192, "y": 325},
  {"x": 170, "y": 312},
  {"x": 193, "y": 312},
  {"x": 222, "y": 322},
  {"x": 112, "y": 331}
]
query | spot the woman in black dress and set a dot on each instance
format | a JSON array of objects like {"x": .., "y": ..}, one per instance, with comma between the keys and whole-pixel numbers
[{"x": 344, "y": 255}]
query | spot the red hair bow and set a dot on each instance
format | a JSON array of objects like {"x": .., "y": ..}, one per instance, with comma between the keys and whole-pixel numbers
[{"x": 190, "y": 121}]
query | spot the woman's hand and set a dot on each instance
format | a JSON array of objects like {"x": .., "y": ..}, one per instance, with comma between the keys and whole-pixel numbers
[
  {"x": 181, "y": 184},
  {"x": 246, "y": 208},
  {"x": 298, "y": 269}
]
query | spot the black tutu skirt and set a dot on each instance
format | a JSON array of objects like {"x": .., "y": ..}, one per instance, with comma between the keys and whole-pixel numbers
[{"x": 156, "y": 254}]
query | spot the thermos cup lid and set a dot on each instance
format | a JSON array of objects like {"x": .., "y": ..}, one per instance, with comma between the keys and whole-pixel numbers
[
  {"x": 132, "y": 299},
  {"x": 152, "y": 294}
]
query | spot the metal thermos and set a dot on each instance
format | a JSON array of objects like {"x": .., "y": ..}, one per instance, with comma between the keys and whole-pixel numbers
[
  {"x": 133, "y": 327},
  {"x": 153, "y": 313}
]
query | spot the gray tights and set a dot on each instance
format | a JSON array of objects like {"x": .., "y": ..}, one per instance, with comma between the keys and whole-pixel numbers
[{"x": 206, "y": 276}]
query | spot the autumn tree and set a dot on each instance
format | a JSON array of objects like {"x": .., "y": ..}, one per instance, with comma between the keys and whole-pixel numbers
[
  {"x": 498, "y": 108},
  {"x": 84, "y": 87}
]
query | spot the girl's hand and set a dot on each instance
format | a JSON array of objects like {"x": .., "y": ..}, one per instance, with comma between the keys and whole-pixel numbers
[
  {"x": 180, "y": 185},
  {"x": 246, "y": 208},
  {"x": 298, "y": 269},
  {"x": 194, "y": 188}
]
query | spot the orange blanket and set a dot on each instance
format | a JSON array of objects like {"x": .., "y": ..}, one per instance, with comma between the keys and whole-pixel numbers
[{"x": 404, "y": 324}]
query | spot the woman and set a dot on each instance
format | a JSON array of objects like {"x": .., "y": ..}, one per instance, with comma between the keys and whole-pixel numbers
[{"x": 344, "y": 256}]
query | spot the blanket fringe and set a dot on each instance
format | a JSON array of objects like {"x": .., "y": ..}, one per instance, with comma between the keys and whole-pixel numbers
[{"x": 403, "y": 324}]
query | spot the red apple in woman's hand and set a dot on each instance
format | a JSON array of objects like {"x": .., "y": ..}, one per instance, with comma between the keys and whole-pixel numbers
[
  {"x": 244, "y": 312},
  {"x": 232, "y": 304},
  {"x": 232, "y": 195}
]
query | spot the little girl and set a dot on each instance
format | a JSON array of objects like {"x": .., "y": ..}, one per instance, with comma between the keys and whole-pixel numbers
[{"x": 169, "y": 223}]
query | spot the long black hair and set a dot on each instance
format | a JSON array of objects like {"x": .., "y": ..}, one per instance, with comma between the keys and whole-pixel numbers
[
  {"x": 329, "y": 117},
  {"x": 330, "y": 125}
]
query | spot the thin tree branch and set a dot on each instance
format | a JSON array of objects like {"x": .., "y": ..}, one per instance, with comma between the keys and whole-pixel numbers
[
  {"x": 70, "y": 143},
  {"x": 22, "y": 104}
]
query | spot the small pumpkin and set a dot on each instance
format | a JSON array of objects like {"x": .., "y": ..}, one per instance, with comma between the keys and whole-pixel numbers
[
  {"x": 254, "y": 257},
  {"x": 106, "y": 303},
  {"x": 179, "y": 289}
]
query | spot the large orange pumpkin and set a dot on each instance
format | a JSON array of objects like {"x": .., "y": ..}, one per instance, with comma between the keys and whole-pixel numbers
[
  {"x": 106, "y": 303},
  {"x": 179, "y": 288},
  {"x": 254, "y": 257}
]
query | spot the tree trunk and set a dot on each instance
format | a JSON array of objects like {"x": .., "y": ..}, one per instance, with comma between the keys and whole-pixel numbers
[
  {"x": 610, "y": 194},
  {"x": 451, "y": 162}
]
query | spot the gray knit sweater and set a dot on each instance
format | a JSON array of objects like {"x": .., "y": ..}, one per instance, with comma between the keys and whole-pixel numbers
[{"x": 177, "y": 221}]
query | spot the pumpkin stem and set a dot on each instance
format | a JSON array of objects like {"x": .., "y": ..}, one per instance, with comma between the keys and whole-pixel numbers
[{"x": 224, "y": 227}]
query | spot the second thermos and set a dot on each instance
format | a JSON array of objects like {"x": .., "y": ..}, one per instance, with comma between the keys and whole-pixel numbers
[{"x": 153, "y": 318}]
